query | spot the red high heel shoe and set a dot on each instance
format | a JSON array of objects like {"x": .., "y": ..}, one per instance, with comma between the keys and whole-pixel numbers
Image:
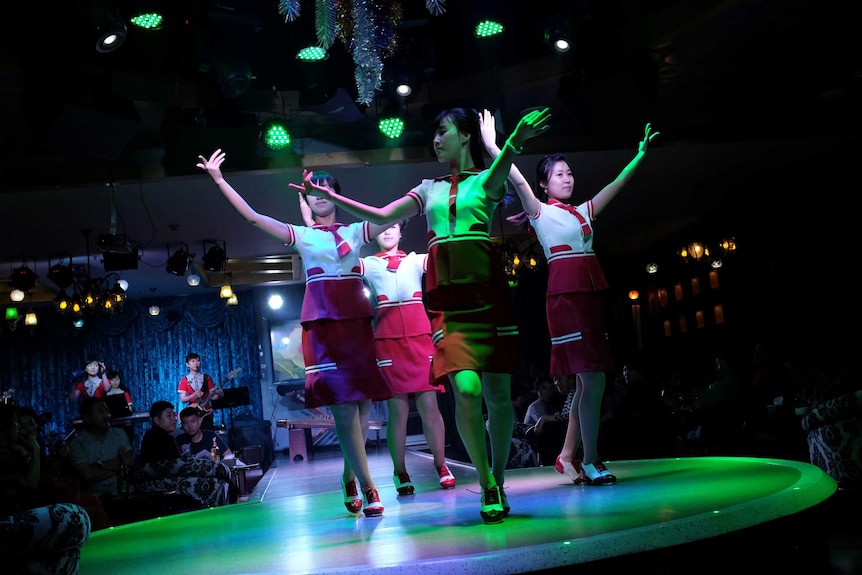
[{"x": 352, "y": 500}]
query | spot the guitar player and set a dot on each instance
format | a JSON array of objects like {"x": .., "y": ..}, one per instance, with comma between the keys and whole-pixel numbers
[{"x": 197, "y": 389}]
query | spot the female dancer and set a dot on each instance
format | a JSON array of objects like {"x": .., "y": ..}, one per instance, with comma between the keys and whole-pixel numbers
[
  {"x": 473, "y": 324},
  {"x": 404, "y": 352},
  {"x": 575, "y": 307},
  {"x": 334, "y": 311}
]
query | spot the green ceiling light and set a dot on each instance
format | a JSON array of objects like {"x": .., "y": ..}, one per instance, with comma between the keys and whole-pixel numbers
[
  {"x": 148, "y": 21},
  {"x": 392, "y": 127},
  {"x": 312, "y": 54},
  {"x": 488, "y": 28},
  {"x": 11, "y": 314},
  {"x": 275, "y": 136}
]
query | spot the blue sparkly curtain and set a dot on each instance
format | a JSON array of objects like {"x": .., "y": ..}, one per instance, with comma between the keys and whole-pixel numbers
[{"x": 149, "y": 352}]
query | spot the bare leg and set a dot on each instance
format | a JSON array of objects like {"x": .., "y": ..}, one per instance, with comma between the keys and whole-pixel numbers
[
  {"x": 471, "y": 425},
  {"x": 592, "y": 387},
  {"x": 573, "y": 429},
  {"x": 432, "y": 425},
  {"x": 352, "y": 435},
  {"x": 396, "y": 431},
  {"x": 497, "y": 389}
]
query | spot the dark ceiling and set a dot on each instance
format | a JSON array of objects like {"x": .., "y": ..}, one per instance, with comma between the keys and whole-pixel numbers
[
  {"x": 703, "y": 71},
  {"x": 709, "y": 73}
]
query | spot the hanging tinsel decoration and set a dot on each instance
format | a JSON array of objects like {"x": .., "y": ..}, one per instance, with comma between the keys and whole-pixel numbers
[
  {"x": 435, "y": 7},
  {"x": 289, "y": 9},
  {"x": 366, "y": 54},
  {"x": 325, "y": 22}
]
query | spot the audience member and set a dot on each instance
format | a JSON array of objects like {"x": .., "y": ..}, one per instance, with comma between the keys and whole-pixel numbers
[
  {"x": 548, "y": 401},
  {"x": 33, "y": 539},
  {"x": 548, "y": 434},
  {"x": 196, "y": 441},
  {"x": 718, "y": 417},
  {"x": 97, "y": 450},
  {"x": 638, "y": 425},
  {"x": 165, "y": 469}
]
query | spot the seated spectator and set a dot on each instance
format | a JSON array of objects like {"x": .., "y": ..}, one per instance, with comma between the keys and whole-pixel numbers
[
  {"x": 196, "y": 441},
  {"x": 99, "y": 452},
  {"x": 547, "y": 403},
  {"x": 639, "y": 424},
  {"x": 44, "y": 539},
  {"x": 165, "y": 469},
  {"x": 718, "y": 416},
  {"x": 549, "y": 432}
]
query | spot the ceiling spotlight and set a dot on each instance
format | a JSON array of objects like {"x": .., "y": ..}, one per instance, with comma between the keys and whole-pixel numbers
[
  {"x": 215, "y": 257},
  {"x": 312, "y": 54},
  {"x": 109, "y": 30},
  {"x": 148, "y": 21},
  {"x": 233, "y": 75},
  {"x": 178, "y": 263},
  {"x": 23, "y": 278},
  {"x": 275, "y": 135},
  {"x": 61, "y": 275},
  {"x": 392, "y": 127},
  {"x": 488, "y": 28}
]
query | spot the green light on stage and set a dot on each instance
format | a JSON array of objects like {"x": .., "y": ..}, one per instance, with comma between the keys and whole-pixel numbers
[
  {"x": 149, "y": 21},
  {"x": 391, "y": 127},
  {"x": 488, "y": 28},
  {"x": 276, "y": 137},
  {"x": 311, "y": 54}
]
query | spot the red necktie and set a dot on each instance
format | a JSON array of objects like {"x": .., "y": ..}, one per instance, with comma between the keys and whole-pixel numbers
[
  {"x": 340, "y": 243},
  {"x": 585, "y": 225},
  {"x": 393, "y": 260}
]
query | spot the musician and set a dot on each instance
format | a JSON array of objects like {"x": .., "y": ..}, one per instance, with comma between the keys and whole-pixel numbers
[{"x": 197, "y": 389}]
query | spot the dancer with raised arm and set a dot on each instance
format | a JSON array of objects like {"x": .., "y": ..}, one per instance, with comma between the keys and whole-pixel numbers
[
  {"x": 337, "y": 337},
  {"x": 580, "y": 349},
  {"x": 473, "y": 324}
]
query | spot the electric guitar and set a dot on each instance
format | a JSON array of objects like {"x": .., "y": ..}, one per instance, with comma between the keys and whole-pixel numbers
[{"x": 204, "y": 401}]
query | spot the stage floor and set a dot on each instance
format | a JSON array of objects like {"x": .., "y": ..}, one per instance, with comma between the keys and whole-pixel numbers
[{"x": 295, "y": 522}]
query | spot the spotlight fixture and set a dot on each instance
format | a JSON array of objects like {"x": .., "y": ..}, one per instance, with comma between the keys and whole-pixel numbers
[
  {"x": 61, "y": 275},
  {"x": 215, "y": 256},
  {"x": 233, "y": 75},
  {"x": 109, "y": 30},
  {"x": 275, "y": 136},
  {"x": 392, "y": 127},
  {"x": 23, "y": 278},
  {"x": 148, "y": 20},
  {"x": 178, "y": 262},
  {"x": 488, "y": 28},
  {"x": 312, "y": 54}
]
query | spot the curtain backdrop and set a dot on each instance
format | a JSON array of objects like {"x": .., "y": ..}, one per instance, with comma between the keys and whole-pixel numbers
[{"x": 149, "y": 351}]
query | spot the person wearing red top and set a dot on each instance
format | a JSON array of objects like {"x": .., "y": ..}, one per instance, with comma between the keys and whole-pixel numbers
[
  {"x": 344, "y": 378},
  {"x": 575, "y": 308},
  {"x": 94, "y": 384},
  {"x": 402, "y": 332},
  {"x": 474, "y": 328}
]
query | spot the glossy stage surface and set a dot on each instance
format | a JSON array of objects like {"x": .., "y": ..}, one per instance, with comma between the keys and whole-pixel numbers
[{"x": 295, "y": 521}]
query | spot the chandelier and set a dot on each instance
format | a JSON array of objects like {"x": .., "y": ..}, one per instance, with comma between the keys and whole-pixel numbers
[{"x": 82, "y": 294}]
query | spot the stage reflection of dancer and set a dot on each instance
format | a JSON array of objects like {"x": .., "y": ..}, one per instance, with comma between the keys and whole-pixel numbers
[
  {"x": 473, "y": 323},
  {"x": 93, "y": 381},
  {"x": 337, "y": 338},
  {"x": 575, "y": 308}
]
